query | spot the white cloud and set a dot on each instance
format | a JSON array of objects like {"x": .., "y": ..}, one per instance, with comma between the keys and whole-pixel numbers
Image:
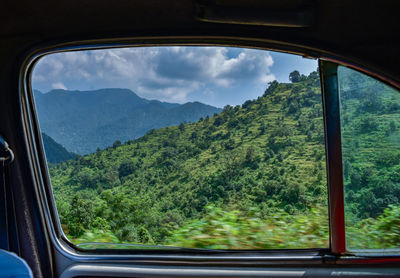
[
  {"x": 58, "y": 85},
  {"x": 166, "y": 73}
]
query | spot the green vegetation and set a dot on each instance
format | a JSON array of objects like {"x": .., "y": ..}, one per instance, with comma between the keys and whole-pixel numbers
[
  {"x": 250, "y": 177},
  {"x": 371, "y": 159},
  {"x": 234, "y": 229},
  {"x": 379, "y": 233}
]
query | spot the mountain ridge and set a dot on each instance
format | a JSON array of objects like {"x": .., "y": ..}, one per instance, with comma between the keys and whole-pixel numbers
[
  {"x": 83, "y": 121},
  {"x": 55, "y": 152}
]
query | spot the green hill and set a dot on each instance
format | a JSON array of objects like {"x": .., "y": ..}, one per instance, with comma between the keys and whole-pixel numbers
[
  {"x": 267, "y": 154},
  {"x": 250, "y": 177}
]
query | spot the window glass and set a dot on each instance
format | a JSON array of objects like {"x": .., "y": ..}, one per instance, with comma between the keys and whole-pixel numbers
[
  {"x": 204, "y": 147},
  {"x": 370, "y": 117}
]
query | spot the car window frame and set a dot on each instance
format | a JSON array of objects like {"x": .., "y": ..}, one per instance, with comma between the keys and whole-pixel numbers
[
  {"x": 329, "y": 70},
  {"x": 265, "y": 257}
]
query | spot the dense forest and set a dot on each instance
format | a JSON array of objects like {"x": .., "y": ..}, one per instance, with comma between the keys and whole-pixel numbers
[{"x": 250, "y": 177}]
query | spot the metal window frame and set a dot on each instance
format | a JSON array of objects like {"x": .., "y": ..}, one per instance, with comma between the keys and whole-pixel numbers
[
  {"x": 329, "y": 91},
  {"x": 328, "y": 68},
  {"x": 60, "y": 241},
  {"x": 330, "y": 102}
]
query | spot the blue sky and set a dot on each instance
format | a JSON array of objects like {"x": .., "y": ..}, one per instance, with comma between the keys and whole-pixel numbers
[{"x": 214, "y": 75}]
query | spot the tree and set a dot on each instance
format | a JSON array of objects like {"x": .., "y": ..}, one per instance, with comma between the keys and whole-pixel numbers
[
  {"x": 247, "y": 104},
  {"x": 126, "y": 168},
  {"x": 80, "y": 216},
  {"x": 368, "y": 123},
  {"x": 294, "y": 76},
  {"x": 392, "y": 126},
  {"x": 293, "y": 107},
  {"x": 262, "y": 128},
  {"x": 193, "y": 136},
  {"x": 219, "y": 121},
  {"x": 314, "y": 75},
  {"x": 117, "y": 143},
  {"x": 271, "y": 88}
]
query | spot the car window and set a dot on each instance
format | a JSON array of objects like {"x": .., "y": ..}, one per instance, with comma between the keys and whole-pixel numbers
[
  {"x": 198, "y": 147},
  {"x": 370, "y": 117}
]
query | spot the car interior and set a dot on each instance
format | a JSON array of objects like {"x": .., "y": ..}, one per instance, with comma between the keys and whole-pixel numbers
[{"x": 362, "y": 36}]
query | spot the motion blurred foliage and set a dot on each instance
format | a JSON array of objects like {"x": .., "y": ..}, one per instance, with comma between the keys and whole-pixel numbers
[{"x": 233, "y": 229}]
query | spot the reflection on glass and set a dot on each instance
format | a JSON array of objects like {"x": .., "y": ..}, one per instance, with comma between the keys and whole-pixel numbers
[{"x": 370, "y": 116}]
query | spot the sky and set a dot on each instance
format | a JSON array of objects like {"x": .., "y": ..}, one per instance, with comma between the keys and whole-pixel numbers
[{"x": 213, "y": 75}]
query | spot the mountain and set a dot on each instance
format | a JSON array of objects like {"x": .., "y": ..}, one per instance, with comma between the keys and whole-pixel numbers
[
  {"x": 266, "y": 155},
  {"x": 84, "y": 121},
  {"x": 55, "y": 153},
  {"x": 250, "y": 177}
]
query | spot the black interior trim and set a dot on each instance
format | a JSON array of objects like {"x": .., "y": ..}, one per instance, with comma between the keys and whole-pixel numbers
[
  {"x": 330, "y": 94},
  {"x": 300, "y": 17}
]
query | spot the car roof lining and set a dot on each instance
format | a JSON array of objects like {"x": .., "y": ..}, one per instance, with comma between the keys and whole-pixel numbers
[{"x": 365, "y": 32}]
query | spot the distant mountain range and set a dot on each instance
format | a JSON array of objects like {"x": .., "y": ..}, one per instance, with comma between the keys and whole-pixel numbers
[
  {"x": 83, "y": 121},
  {"x": 55, "y": 153}
]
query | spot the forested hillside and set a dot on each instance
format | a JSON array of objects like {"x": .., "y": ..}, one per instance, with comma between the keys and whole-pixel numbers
[
  {"x": 371, "y": 159},
  {"x": 83, "y": 121},
  {"x": 252, "y": 176}
]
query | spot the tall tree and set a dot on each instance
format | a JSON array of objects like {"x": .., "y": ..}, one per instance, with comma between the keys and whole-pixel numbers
[{"x": 294, "y": 76}]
